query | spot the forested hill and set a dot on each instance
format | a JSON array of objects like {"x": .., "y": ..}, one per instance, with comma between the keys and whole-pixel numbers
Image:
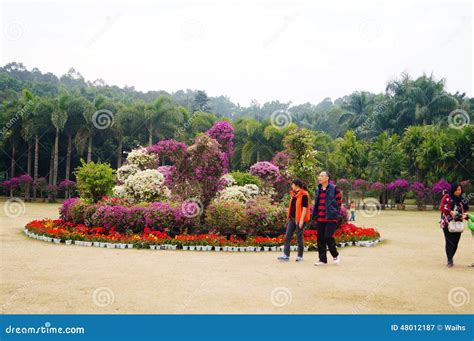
[
  {"x": 39, "y": 110},
  {"x": 406, "y": 101}
]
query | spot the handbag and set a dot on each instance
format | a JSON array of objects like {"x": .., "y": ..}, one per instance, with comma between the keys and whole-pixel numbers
[{"x": 456, "y": 226}]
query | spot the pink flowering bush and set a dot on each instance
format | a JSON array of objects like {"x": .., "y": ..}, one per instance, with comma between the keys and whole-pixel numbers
[
  {"x": 171, "y": 150},
  {"x": 377, "y": 187},
  {"x": 223, "y": 133},
  {"x": 421, "y": 193},
  {"x": 281, "y": 160}
]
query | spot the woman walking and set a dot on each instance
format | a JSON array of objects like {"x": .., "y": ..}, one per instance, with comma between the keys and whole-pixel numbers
[
  {"x": 298, "y": 215},
  {"x": 453, "y": 209}
]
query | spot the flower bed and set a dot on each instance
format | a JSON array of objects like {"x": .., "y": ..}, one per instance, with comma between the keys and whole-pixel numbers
[{"x": 61, "y": 231}]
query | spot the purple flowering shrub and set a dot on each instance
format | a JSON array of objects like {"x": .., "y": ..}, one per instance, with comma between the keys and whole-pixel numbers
[
  {"x": 223, "y": 133},
  {"x": 421, "y": 192}
]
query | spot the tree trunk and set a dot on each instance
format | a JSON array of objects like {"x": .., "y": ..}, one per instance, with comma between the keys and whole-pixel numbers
[
  {"x": 35, "y": 171},
  {"x": 89, "y": 150},
  {"x": 119, "y": 152},
  {"x": 56, "y": 157},
  {"x": 12, "y": 169},
  {"x": 51, "y": 167},
  {"x": 28, "y": 186},
  {"x": 150, "y": 138},
  {"x": 28, "y": 167},
  {"x": 68, "y": 156}
]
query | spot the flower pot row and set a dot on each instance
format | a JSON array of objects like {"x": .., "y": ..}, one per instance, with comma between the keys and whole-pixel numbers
[{"x": 220, "y": 248}]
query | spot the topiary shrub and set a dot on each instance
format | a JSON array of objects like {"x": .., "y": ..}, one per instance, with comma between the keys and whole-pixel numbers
[
  {"x": 245, "y": 178},
  {"x": 94, "y": 180}
]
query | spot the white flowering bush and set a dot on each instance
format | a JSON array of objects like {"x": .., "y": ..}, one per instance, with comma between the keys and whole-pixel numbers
[
  {"x": 239, "y": 193},
  {"x": 125, "y": 171},
  {"x": 119, "y": 191},
  {"x": 142, "y": 159},
  {"x": 147, "y": 185}
]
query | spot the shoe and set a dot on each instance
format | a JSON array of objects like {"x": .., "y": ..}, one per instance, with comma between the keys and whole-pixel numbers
[
  {"x": 337, "y": 260},
  {"x": 319, "y": 263},
  {"x": 284, "y": 258},
  {"x": 299, "y": 259},
  {"x": 450, "y": 264}
]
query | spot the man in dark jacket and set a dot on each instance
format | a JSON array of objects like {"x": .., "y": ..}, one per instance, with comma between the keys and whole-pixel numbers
[{"x": 327, "y": 205}]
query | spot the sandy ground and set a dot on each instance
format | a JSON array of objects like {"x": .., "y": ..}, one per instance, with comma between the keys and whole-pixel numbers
[{"x": 405, "y": 274}]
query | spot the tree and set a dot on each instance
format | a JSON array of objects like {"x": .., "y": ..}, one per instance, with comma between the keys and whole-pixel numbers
[
  {"x": 58, "y": 118},
  {"x": 201, "y": 101},
  {"x": 302, "y": 163},
  {"x": 162, "y": 118},
  {"x": 350, "y": 157}
]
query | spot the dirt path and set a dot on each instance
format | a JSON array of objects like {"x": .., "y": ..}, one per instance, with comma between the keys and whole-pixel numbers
[{"x": 406, "y": 274}]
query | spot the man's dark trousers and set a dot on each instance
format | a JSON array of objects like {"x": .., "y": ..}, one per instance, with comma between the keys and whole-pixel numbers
[{"x": 326, "y": 238}]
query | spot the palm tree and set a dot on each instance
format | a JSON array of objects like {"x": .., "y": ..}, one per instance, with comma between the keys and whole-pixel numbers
[
  {"x": 253, "y": 146},
  {"x": 421, "y": 101},
  {"x": 58, "y": 118},
  {"x": 39, "y": 125},
  {"x": 162, "y": 117},
  {"x": 75, "y": 106}
]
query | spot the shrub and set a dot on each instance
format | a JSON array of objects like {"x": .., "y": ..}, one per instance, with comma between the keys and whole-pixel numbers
[
  {"x": 223, "y": 132},
  {"x": 76, "y": 212},
  {"x": 90, "y": 218},
  {"x": 119, "y": 191},
  {"x": 239, "y": 193},
  {"x": 110, "y": 216},
  {"x": 225, "y": 217},
  {"x": 125, "y": 171},
  {"x": 263, "y": 217},
  {"x": 421, "y": 193},
  {"x": 158, "y": 216},
  {"x": 266, "y": 171},
  {"x": 245, "y": 178},
  {"x": 147, "y": 185},
  {"x": 134, "y": 218},
  {"x": 65, "y": 209},
  {"x": 94, "y": 180},
  {"x": 142, "y": 159}
]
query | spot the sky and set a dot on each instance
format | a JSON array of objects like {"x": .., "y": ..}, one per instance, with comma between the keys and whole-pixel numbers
[{"x": 298, "y": 51}]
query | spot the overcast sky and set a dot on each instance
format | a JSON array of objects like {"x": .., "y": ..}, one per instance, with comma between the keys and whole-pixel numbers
[{"x": 295, "y": 51}]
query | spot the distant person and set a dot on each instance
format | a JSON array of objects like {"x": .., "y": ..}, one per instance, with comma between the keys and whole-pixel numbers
[
  {"x": 352, "y": 209},
  {"x": 453, "y": 209},
  {"x": 298, "y": 216},
  {"x": 326, "y": 212}
]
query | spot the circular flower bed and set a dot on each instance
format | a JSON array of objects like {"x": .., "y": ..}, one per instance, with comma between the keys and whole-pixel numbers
[{"x": 60, "y": 231}]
